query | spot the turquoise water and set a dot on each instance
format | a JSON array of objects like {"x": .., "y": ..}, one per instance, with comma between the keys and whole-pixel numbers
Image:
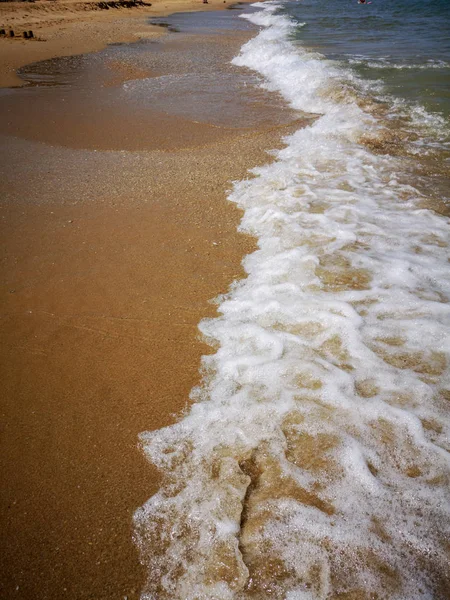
[{"x": 404, "y": 45}]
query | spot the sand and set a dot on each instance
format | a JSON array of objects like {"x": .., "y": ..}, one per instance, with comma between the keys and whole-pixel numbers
[
  {"x": 68, "y": 27},
  {"x": 114, "y": 242}
]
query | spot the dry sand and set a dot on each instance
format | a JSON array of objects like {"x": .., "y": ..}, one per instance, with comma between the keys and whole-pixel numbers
[{"x": 110, "y": 259}]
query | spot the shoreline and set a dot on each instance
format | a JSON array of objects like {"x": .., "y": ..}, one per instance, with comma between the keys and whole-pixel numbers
[
  {"x": 55, "y": 27},
  {"x": 327, "y": 354}
]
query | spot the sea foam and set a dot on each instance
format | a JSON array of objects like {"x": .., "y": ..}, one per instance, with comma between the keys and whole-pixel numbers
[{"x": 315, "y": 460}]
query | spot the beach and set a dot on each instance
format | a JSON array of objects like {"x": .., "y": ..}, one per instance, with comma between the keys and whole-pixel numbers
[
  {"x": 116, "y": 236},
  {"x": 225, "y": 301}
]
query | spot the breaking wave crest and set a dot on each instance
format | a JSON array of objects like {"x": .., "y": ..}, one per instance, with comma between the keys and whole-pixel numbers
[{"x": 314, "y": 462}]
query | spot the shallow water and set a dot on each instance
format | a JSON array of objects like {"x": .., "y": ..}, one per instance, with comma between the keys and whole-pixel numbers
[
  {"x": 315, "y": 460},
  {"x": 184, "y": 77}
]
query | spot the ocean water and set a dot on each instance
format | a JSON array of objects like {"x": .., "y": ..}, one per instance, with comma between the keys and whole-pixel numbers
[{"x": 314, "y": 462}]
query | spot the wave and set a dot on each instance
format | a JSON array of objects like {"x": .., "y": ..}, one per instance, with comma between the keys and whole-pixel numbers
[{"x": 314, "y": 462}]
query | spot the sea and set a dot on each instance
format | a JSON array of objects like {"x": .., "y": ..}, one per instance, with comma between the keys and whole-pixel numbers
[{"x": 314, "y": 460}]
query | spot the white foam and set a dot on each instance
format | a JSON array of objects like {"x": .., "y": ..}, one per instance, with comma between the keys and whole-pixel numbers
[{"x": 340, "y": 332}]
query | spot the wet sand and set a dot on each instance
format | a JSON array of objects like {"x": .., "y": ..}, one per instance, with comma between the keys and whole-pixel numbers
[
  {"x": 111, "y": 256},
  {"x": 69, "y": 27}
]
